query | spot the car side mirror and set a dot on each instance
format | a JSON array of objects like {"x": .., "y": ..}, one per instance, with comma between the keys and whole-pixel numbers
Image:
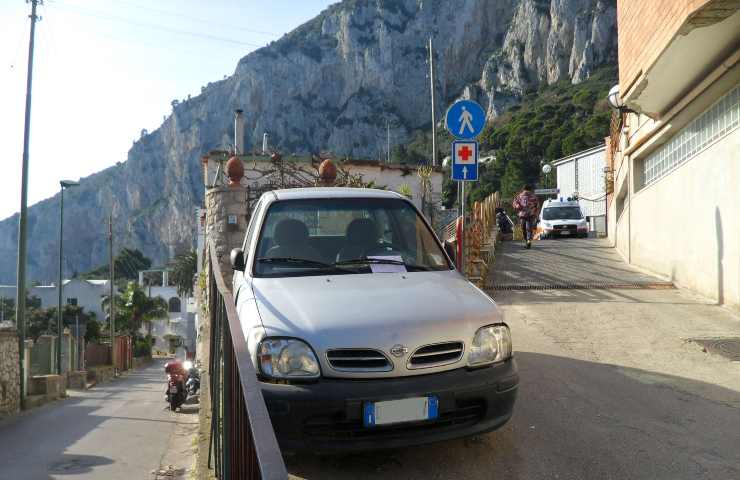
[{"x": 237, "y": 260}]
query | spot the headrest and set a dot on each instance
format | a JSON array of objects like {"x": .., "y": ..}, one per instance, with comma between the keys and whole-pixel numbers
[
  {"x": 290, "y": 232},
  {"x": 362, "y": 231}
]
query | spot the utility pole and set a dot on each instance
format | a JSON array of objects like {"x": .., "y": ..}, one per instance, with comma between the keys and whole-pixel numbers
[
  {"x": 111, "y": 297},
  {"x": 62, "y": 185},
  {"x": 434, "y": 114},
  {"x": 20, "y": 303},
  {"x": 60, "y": 279}
]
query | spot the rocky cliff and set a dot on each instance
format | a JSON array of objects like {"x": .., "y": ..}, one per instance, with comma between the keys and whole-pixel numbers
[{"x": 332, "y": 84}]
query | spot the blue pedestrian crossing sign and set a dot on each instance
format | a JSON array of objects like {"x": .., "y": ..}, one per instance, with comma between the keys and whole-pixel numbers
[
  {"x": 465, "y": 119},
  {"x": 465, "y": 160}
]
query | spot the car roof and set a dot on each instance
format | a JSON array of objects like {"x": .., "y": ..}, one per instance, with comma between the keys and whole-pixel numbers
[
  {"x": 333, "y": 192},
  {"x": 558, "y": 203}
]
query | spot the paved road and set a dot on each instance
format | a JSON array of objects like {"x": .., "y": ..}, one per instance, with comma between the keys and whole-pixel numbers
[
  {"x": 610, "y": 389},
  {"x": 119, "y": 430},
  {"x": 570, "y": 261}
]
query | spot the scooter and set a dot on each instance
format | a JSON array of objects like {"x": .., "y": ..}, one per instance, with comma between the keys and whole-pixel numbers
[
  {"x": 177, "y": 392},
  {"x": 193, "y": 383}
]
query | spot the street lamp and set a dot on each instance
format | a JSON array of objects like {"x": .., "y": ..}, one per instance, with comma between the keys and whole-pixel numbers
[
  {"x": 615, "y": 101},
  {"x": 546, "y": 169},
  {"x": 63, "y": 184}
]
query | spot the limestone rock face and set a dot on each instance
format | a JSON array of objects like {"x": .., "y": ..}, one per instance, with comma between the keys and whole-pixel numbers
[{"x": 331, "y": 84}]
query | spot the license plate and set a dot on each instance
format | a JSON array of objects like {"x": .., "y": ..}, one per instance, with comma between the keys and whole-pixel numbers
[
  {"x": 173, "y": 389},
  {"x": 399, "y": 411},
  {"x": 565, "y": 232}
]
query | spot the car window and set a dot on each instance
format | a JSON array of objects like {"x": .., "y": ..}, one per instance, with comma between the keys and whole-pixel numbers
[
  {"x": 562, "y": 213},
  {"x": 317, "y": 234},
  {"x": 250, "y": 228}
]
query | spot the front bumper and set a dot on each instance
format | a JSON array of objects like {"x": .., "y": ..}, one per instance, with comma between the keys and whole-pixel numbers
[{"x": 326, "y": 416}]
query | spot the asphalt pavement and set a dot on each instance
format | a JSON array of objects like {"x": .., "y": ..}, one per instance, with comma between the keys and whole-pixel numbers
[
  {"x": 121, "y": 430},
  {"x": 611, "y": 388}
]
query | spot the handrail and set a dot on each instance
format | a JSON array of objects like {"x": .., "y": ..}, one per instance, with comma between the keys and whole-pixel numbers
[{"x": 245, "y": 433}]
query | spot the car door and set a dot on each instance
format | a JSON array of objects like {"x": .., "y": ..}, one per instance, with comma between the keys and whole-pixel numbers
[{"x": 241, "y": 281}]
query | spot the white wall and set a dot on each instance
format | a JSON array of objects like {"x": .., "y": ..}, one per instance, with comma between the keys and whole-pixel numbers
[
  {"x": 687, "y": 224},
  {"x": 88, "y": 295}
]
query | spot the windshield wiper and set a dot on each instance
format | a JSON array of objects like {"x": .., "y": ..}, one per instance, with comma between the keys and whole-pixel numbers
[
  {"x": 294, "y": 261},
  {"x": 377, "y": 261}
]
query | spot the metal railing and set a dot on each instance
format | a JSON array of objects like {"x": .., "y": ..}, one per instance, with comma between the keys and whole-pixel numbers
[
  {"x": 479, "y": 238},
  {"x": 243, "y": 443}
]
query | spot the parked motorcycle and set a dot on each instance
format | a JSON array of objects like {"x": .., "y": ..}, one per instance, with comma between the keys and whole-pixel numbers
[
  {"x": 193, "y": 383},
  {"x": 177, "y": 376}
]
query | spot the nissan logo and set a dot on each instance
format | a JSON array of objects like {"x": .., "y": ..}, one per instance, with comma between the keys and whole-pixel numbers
[{"x": 399, "y": 350}]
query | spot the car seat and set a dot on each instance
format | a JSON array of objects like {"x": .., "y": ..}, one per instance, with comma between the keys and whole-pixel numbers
[
  {"x": 361, "y": 236},
  {"x": 291, "y": 240}
]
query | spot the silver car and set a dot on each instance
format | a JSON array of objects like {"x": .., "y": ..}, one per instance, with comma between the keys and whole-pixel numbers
[{"x": 362, "y": 332}]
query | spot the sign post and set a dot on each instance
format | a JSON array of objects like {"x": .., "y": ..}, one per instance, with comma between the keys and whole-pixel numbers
[{"x": 464, "y": 120}]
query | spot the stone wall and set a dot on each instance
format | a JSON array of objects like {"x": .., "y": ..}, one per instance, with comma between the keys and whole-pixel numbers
[
  {"x": 226, "y": 223},
  {"x": 9, "y": 373}
]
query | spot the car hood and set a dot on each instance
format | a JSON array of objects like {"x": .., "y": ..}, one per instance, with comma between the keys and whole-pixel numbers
[{"x": 376, "y": 310}]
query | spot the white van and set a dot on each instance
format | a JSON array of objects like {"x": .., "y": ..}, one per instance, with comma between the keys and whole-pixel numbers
[{"x": 562, "y": 218}]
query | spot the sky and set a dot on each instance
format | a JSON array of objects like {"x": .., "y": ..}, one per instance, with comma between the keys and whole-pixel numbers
[{"x": 103, "y": 71}]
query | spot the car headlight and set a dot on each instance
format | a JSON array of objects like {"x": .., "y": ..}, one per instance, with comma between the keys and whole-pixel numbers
[
  {"x": 491, "y": 344},
  {"x": 547, "y": 224},
  {"x": 287, "y": 358}
]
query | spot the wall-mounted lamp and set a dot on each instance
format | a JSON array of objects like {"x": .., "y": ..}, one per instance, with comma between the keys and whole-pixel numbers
[{"x": 616, "y": 102}]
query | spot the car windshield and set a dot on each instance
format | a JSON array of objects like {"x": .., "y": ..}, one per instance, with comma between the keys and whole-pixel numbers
[
  {"x": 345, "y": 236},
  {"x": 562, "y": 213}
]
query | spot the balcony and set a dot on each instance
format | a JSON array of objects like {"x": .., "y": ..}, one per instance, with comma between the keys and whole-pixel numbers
[{"x": 707, "y": 38}]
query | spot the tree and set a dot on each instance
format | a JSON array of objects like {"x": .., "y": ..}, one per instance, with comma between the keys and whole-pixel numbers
[
  {"x": 128, "y": 263},
  {"x": 184, "y": 268},
  {"x": 134, "y": 309},
  {"x": 92, "y": 332}
]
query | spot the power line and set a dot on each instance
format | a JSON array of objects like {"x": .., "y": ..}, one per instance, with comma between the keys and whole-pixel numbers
[
  {"x": 199, "y": 20},
  {"x": 104, "y": 16}
]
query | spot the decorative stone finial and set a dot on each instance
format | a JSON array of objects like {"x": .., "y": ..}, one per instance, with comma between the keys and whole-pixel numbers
[
  {"x": 327, "y": 173},
  {"x": 235, "y": 171}
]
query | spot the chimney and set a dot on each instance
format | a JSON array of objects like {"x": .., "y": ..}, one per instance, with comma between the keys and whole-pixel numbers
[
  {"x": 239, "y": 132},
  {"x": 265, "y": 142}
]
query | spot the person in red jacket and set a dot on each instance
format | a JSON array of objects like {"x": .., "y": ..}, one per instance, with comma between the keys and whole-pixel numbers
[{"x": 526, "y": 205}]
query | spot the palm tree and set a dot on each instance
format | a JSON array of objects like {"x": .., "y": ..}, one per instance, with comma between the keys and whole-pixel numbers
[
  {"x": 136, "y": 308},
  {"x": 184, "y": 268}
]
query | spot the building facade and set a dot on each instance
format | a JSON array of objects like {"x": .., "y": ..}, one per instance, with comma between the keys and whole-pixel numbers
[
  {"x": 87, "y": 294},
  {"x": 673, "y": 158},
  {"x": 582, "y": 175},
  {"x": 175, "y": 333}
]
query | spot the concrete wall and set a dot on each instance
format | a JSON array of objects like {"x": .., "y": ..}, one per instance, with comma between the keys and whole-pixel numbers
[
  {"x": 687, "y": 225},
  {"x": 9, "y": 373},
  {"x": 43, "y": 355}
]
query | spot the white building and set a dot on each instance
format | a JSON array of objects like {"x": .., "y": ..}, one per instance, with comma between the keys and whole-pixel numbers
[
  {"x": 177, "y": 330},
  {"x": 582, "y": 175},
  {"x": 675, "y": 152},
  {"x": 87, "y": 294}
]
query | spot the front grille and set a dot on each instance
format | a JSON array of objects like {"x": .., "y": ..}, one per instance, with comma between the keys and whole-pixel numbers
[
  {"x": 465, "y": 413},
  {"x": 358, "y": 360},
  {"x": 436, "y": 355},
  {"x": 572, "y": 228}
]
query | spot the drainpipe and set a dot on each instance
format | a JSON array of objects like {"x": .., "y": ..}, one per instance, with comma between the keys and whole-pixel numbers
[{"x": 625, "y": 130}]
